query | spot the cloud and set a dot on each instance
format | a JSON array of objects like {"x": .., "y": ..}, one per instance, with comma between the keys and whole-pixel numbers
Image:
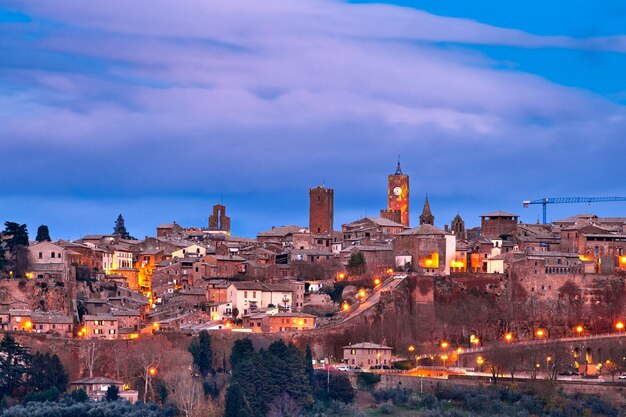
[{"x": 155, "y": 98}]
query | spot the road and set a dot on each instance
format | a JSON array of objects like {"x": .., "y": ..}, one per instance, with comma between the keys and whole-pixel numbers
[{"x": 390, "y": 284}]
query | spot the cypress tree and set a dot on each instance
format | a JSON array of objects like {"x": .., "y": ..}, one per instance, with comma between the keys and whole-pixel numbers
[
  {"x": 200, "y": 349},
  {"x": 310, "y": 372},
  {"x": 43, "y": 234},
  {"x": 235, "y": 403},
  {"x": 14, "y": 364}
]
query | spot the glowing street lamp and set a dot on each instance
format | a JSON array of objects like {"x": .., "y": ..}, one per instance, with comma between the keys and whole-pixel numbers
[
  {"x": 362, "y": 293},
  {"x": 579, "y": 329},
  {"x": 376, "y": 281},
  {"x": 345, "y": 306},
  {"x": 152, "y": 371},
  {"x": 540, "y": 333},
  {"x": 444, "y": 345},
  {"x": 619, "y": 326},
  {"x": 411, "y": 348},
  {"x": 28, "y": 325},
  {"x": 508, "y": 337},
  {"x": 444, "y": 358}
]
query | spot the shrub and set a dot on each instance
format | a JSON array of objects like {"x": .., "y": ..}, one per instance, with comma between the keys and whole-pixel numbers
[
  {"x": 399, "y": 396},
  {"x": 366, "y": 380},
  {"x": 387, "y": 408},
  {"x": 402, "y": 365}
]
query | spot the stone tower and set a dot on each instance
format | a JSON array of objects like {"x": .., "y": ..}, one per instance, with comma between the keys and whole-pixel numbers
[
  {"x": 321, "y": 210},
  {"x": 398, "y": 194},
  {"x": 218, "y": 221},
  {"x": 458, "y": 227},
  {"x": 427, "y": 216}
]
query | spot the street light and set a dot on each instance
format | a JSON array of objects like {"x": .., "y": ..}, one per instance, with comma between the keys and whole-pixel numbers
[
  {"x": 362, "y": 293},
  {"x": 444, "y": 344},
  {"x": 579, "y": 330},
  {"x": 376, "y": 281},
  {"x": 548, "y": 359},
  {"x": 444, "y": 357},
  {"x": 540, "y": 333},
  {"x": 345, "y": 306},
  {"x": 619, "y": 326},
  {"x": 508, "y": 337},
  {"x": 411, "y": 348}
]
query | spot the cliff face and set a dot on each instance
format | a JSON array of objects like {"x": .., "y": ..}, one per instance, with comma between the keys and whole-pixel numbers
[{"x": 44, "y": 295}]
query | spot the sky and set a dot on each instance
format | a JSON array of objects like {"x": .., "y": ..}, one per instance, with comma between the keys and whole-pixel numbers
[{"x": 158, "y": 110}]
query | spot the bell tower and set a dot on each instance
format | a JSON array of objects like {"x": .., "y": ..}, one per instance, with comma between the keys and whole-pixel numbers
[{"x": 398, "y": 194}]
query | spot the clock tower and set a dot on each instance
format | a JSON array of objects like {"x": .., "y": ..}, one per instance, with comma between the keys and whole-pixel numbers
[{"x": 398, "y": 194}]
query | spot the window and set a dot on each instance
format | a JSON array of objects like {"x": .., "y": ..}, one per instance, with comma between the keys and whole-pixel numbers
[
  {"x": 52, "y": 254},
  {"x": 40, "y": 255},
  {"x": 245, "y": 294}
]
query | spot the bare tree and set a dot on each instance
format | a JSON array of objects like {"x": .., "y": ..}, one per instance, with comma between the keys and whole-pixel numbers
[
  {"x": 284, "y": 406},
  {"x": 89, "y": 353},
  {"x": 146, "y": 356}
]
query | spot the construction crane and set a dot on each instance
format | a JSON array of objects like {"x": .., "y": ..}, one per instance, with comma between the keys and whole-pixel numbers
[{"x": 570, "y": 200}]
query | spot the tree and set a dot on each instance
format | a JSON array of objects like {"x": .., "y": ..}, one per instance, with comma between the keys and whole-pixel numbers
[
  {"x": 113, "y": 393},
  {"x": 46, "y": 372},
  {"x": 308, "y": 358},
  {"x": 284, "y": 406},
  {"x": 16, "y": 242},
  {"x": 43, "y": 234},
  {"x": 235, "y": 313},
  {"x": 357, "y": 264},
  {"x": 120, "y": 228},
  {"x": 242, "y": 349},
  {"x": 200, "y": 349},
  {"x": 333, "y": 387},
  {"x": 79, "y": 395},
  {"x": 3, "y": 260},
  {"x": 89, "y": 353},
  {"x": 14, "y": 365},
  {"x": 236, "y": 405}
]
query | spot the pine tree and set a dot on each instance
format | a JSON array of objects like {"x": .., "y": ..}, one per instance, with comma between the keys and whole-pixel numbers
[
  {"x": 310, "y": 372},
  {"x": 235, "y": 403},
  {"x": 14, "y": 365},
  {"x": 200, "y": 349},
  {"x": 47, "y": 371},
  {"x": 241, "y": 349},
  {"x": 113, "y": 393},
  {"x": 16, "y": 242},
  {"x": 120, "y": 228},
  {"x": 43, "y": 234}
]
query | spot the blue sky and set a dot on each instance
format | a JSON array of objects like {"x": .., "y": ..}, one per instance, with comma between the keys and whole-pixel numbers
[{"x": 159, "y": 110}]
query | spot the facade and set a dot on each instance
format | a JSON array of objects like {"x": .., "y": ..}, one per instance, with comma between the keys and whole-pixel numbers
[
  {"x": 321, "y": 210},
  {"x": 431, "y": 249},
  {"x": 497, "y": 224},
  {"x": 370, "y": 229},
  {"x": 366, "y": 355},
  {"x": 398, "y": 194},
  {"x": 279, "y": 322},
  {"x": 101, "y": 326},
  {"x": 49, "y": 260}
]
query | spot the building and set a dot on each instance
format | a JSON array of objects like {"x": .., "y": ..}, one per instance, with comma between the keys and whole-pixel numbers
[
  {"x": 497, "y": 224},
  {"x": 96, "y": 388},
  {"x": 431, "y": 250},
  {"x": 168, "y": 229},
  {"x": 279, "y": 322},
  {"x": 248, "y": 297},
  {"x": 370, "y": 229},
  {"x": 49, "y": 260},
  {"x": 101, "y": 326},
  {"x": 321, "y": 210},
  {"x": 398, "y": 194},
  {"x": 218, "y": 220},
  {"x": 427, "y": 216},
  {"x": 367, "y": 355}
]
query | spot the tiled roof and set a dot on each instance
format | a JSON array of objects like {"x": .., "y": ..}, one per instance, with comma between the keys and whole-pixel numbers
[
  {"x": 499, "y": 213},
  {"x": 283, "y": 231},
  {"x": 367, "y": 345},
  {"x": 424, "y": 230}
]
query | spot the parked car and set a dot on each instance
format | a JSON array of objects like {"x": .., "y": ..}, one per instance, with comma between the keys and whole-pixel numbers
[
  {"x": 622, "y": 375},
  {"x": 568, "y": 372},
  {"x": 342, "y": 368}
]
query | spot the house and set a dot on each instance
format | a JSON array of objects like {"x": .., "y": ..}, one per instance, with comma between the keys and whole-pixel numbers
[
  {"x": 101, "y": 326},
  {"x": 96, "y": 388},
  {"x": 49, "y": 260},
  {"x": 168, "y": 229},
  {"x": 52, "y": 322},
  {"x": 367, "y": 354},
  {"x": 370, "y": 229},
  {"x": 279, "y": 322}
]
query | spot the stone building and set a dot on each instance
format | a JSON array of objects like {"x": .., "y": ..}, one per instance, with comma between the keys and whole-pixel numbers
[
  {"x": 431, "y": 250},
  {"x": 366, "y": 355},
  {"x": 497, "y": 224},
  {"x": 321, "y": 210},
  {"x": 427, "y": 216}
]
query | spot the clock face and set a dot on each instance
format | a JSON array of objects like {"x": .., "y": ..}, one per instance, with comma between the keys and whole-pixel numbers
[{"x": 397, "y": 191}]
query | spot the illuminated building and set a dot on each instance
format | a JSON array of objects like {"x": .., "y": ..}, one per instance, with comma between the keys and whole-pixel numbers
[{"x": 398, "y": 194}]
